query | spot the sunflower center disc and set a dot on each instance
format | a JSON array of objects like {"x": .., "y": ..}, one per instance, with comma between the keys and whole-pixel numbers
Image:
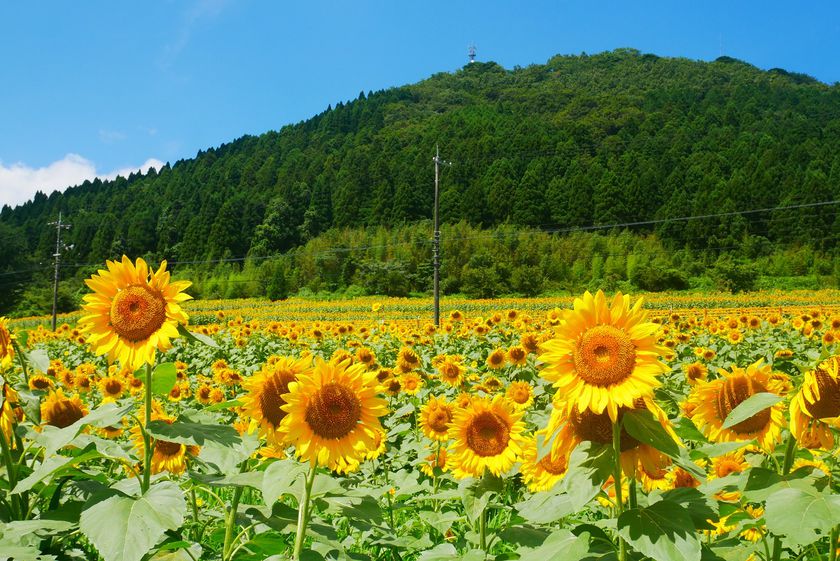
[
  {"x": 137, "y": 312},
  {"x": 113, "y": 387},
  {"x": 597, "y": 427},
  {"x": 271, "y": 399},
  {"x": 64, "y": 413},
  {"x": 40, "y": 383},
  {"x": 828, "y": 405},
  {"x": 166, "y": 448},
  {"x": 734, "y": 391},
  {"x": 554, "y": 467},
  {"x": 604, "y": 355},
  {"x": 488, "y": 434},
  {"x": 334, "y": 411},
  {"x": 439, "y": 420}
]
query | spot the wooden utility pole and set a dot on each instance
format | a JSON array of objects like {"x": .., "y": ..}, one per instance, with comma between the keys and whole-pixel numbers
[
  {"x": 436, "y": 241},
  {"x": 57, "y": 255}
]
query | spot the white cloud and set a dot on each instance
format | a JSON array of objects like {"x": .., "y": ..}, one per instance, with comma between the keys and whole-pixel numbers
[{"x": 19, "y": 182}]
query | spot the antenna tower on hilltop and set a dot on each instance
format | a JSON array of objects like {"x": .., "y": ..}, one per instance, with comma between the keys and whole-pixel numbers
[{"x": 472, "y": 54}]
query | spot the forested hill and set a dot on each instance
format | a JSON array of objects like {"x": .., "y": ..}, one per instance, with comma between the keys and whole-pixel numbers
[{"x": 581, "y": 140}]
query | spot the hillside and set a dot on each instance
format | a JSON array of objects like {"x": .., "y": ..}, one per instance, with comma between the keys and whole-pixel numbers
[{"x": 579, "y": 141}]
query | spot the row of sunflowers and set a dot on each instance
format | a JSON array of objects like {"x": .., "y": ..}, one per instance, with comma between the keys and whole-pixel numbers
[{"x": 598, "y": 430}]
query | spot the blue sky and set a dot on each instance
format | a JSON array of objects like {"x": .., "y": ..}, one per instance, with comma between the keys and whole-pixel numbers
[{"x": 98, "y": 87}]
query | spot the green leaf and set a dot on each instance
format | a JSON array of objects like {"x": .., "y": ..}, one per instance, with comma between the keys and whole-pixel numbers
[
  {"x": 163, "y": 378},
  {"x": 760, "y": 483},
  {"x": 802, "y": 515},
  {"x": 546, "y": 507},
  {"x": 590, "y": 465},
  {"x": 54, "y": 466},
  {"x": 641, "y": 425},
  {"x": 224, "y": 405},
  {"x": 39, "y": 359},
  {"x": 749, "y": 407},
  {"x": 280, "y": 478},
  {"x": 187, "y": 432},
  {"x": 246, "y": 479},
  {"x": 441, "y": 552},
  {"x": 127, "y": 528},
  {"x": 560, "y": 545},
  {"x": 687, "y": 430},
  {"x": 106, "y": 415},
  {"x": 662, "y": 531},
  {"x": 197, "y": 337},
  {"x": 440, "y": 521},
  {"x": 475, "y": 494}
]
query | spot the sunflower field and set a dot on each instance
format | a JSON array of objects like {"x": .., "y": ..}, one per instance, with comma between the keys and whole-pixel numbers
[{"x": 152, "y": 427}]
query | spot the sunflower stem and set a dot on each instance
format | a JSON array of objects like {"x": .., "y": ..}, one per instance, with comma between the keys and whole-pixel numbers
[
  {"x": 147, "y": 440},
  {"x": 832, "y": 543},
  {"x": 482, "y": 529},
  {"x": 790, "y": 452},
  {"x": 619, "y": 500},
  {"x": 303, "y": 512},
  {"x": 230, "y": 523},
  {"x": 22, "y": 362}
]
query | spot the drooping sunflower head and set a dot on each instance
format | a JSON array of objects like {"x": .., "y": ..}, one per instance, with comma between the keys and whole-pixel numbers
[
  {"x": 61, "y": 411},
  {"x": 7, "y": 351},
  {"x": 451, "y": 372},
  {"x": 39, "y": 382},
  {"x": 711, "y": 402},
  {"x": 815, "y": 409},
  {"x": 487, "y": 436},
  {"x": 496, "y": 359},
  {"x": 133, "y": 311},
  {"x": 435, "y": 418},
  {"x": 407, "y": 360},
  {"x": 263, "y": 404},
  {"x": 517, "y": 355},
  {"x": 333, "y": 414},
  {"x": 111, "y": 387},
  {"x": 604, "y": 356},
  {"x": 166, "y": 455},
  {"x": 541, "y": 474}
]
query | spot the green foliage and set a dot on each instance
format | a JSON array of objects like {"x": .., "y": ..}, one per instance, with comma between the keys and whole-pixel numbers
[
  {"x": 580, "y": 141},
  {"x": 734, "y": 275}
]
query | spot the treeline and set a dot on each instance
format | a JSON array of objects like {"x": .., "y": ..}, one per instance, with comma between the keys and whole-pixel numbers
[
  {"x": 507, "y": 260},
  {"x": 613, "y": 138}
]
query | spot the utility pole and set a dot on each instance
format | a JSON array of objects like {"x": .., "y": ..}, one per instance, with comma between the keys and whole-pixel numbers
[
  {"x": 57, "y": 255},
  {"x": 436, "y": 242}
]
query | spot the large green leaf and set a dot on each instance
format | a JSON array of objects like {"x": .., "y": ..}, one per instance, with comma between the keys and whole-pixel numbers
[
  {"x": 802, "y": 515},
  {"x": 749, "y": 407},
  {"x": 39, "y": 359},
  {"x": 164, "y": 377},
  {"x": 106, "y": 415},
  {"x": 662, "y": 531},
  {"x": 546, "y": 507},
  {"x": 590, "y": 465},
  {"x": 197, "y": 337},
  {"x": 641, "y": 425},
  {"x": 280, "y": 478},
  {"x": 475, "y": 494},
  {"x": 187, "y": 432},
  {"x": 561, "y": 545},
  {"x": 127, "y": 528},
  {"x": 54, "y": 466}
]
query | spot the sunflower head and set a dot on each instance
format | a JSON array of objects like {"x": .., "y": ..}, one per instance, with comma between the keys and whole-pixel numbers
[
  {"x": 133, "y": 311},
  {"x": 541, "y": 474},
  {"x": 61, "y": 411},
  {"x": 7, "y": 351},
  {"x": 263, "y": 404},
  {"x": 487, "y": 436},
  {"x": 604, "y": 356},
  {"x": 815, "y": 409},
  {"x": 332, "y": 414},
  {"x": 710, "y": 403},
  {"x": 520, "y": 394},
  {"x": 435, "y": 418}
]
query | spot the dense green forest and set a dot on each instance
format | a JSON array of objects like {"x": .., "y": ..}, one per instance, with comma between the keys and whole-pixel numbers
[{"x": 579, "y": 143}]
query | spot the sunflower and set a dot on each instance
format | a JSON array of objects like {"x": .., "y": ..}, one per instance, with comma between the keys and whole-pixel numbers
[
  {"x": 166, "y": 455},
  {"x": 727, "y": 464},
  {"x": 7, "y": 351},
  {"x": 487, "y": 436},
  {"x": 266, "y": 388},
  {"x": 603, "y": 357},
  {"x": 695, "y": 372},
  {"x": 407, "y": 360},
  {"x": 543, "y": 474},
  {"x": 133, "y": 311},
  {"x": 111, "y": 388},
  {"x": 332, "y": 414},
  {"x": 435, "y": 418},
  {"x": 11, "y": 413},
  {"x": 436, "y": 459},
  {"x": 815, "y": 409},
  {"x": 39, "y": 382},
  {"x": 451, "y": 372},
  {"x": 496, "y": 359},
  {"x": 411, "y": 383},
  {"x": 517, "y": 355},
  {"x": 714, "y": 400},
  {"x": 574, "y": 426},
  {"x": 61, "y": 411},
  {"x": 520, "y": 395},
  {"x": 365, "y": 356}
]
